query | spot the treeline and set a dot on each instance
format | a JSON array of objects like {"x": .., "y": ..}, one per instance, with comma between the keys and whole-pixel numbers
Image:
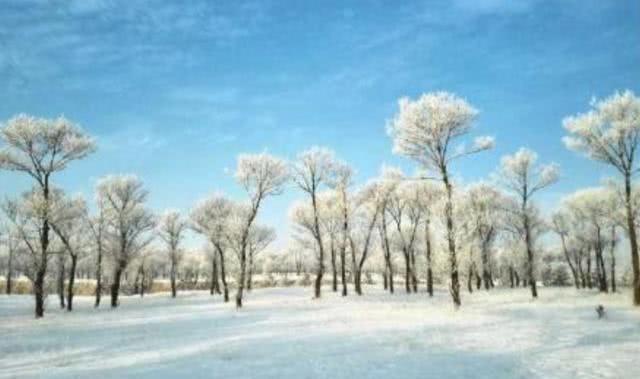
[{"x": 427, "y": 227}]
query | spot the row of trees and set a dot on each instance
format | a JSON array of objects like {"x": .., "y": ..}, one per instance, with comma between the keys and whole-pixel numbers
[
  {"x": 45, "y": 222},
  {"x": 429, "y": 217},
  {"x": 401, "y": 211}
]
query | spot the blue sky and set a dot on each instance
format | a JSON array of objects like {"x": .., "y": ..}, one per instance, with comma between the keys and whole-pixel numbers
[{"x": 173, "y": 91}]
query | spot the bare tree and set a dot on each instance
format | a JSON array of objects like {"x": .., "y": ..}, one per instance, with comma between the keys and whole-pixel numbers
[
  {"x": 610, "y": 133},
  {"x": 171, "y": 229},
  {"x": 522, "y": 177},
  {"x": 424, "y": 130},
  {"x": 128, "y": 223},
  {"x": 40, "y": 148}
]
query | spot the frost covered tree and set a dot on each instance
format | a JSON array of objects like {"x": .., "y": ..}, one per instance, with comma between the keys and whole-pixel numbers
[
  {"x": 69, "y": 224},
  {"x": 301, "y": 216},
  {"x": 332, "y": 226},
  {"x": 211, "y": 217},
  {"x": 430, "y": 196},
  {"x": 341, "y": 181},
  {"x": 562, "y": 225},
  {"x": 483, "y": 204},
  {"x": 261, "y": 175},
  {"x": 260, "y": 238},
  {"x": 313, "y": 170},
  {"x": 11, "y": 241},
  {"x": 425, "y": 131},
  {"x": 97, "y": 225},
  {"x": 404, "y": 205},
  {"x": 520, "y": 175},
  {"x": 390, "y": 177},
  {"x": 610, "y": 133},
  {"x": 129, "y": 223},
  {"x": 586, "y": 216},
  {"x": 40, "y": 148},
  {"x": 368, "y": 204},
  {"x": 171, "y": 229}
]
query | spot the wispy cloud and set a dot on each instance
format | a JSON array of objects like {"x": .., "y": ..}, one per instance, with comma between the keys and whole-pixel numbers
[{"x": 41, "y": 40}]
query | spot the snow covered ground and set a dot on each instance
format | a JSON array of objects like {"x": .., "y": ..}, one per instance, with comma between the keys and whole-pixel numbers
[{"x": 282, "y": 333}]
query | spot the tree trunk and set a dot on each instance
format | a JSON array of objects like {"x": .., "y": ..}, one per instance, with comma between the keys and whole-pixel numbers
[
  {"x": 386, "y": 250},
  {"x": 407, "y": 271},
  {"x": 453, "y": 259},
  {"x": 10, "y": 271},
  {"x": 72, "y": 277},
  {"x": 223, "y": 275},
  {"x": 357, "y": 281},
  {"x": 588, "y": 273},
  {"x": 172, "y": 274},
  {"x": 343, "y": 271},
  {"x": 115, "y": 286},
  {"x": 334, "y": 269},
  {"x": 98, "y": 292},
  {"x": 241, "y": 281},
  {"x": 38, "y": 292},
  {"x": 574, "y": 273},
  {"x": 429, "y": 268},
  {"x": 511, "y": 277},
  {"x": 214, "y": 286},
  {"x": 633, "y": 240},
  {"x": 355, "y": 269},
  {"x": 250, "y": 272},
  {"x": 470, "y": 279},
  {"x": 385, "y": 278},
  {"x": 479, "y": 281},
  {"x": 60, "y": 281},
  {"x": 603, "y": 284},
  {"x": 486, "y": 273},
  {"x": 528, "y": 243},
  {"x": 143, "y": 280},
  {"x": 414, "y": 277},
  {"x": 613, "y": 259}
]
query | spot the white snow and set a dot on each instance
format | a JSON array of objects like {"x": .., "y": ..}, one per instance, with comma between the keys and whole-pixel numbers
[{"x": 283, "y": 333}]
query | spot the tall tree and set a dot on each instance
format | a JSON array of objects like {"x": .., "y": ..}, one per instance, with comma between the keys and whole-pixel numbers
[
  {"x": 11, "y": 242},
  {"x": 259, "y": 239},
  {"x": 171, "y": 229},
  {"x": 128, "y": 223},
  {"x": 40, "y": 148},
  {"x": 610, "y": 133},
  {"x": 391, "y": 177},
  {"x": 424, "y": 130},
  {"x": 97, "y": 225},
  {"x": 483, "y": 204},
  {"x": 211, "y": 217},
  {"x": 429, "y": 195},
  {"x": 369, "y": 203},
  {"x": 261, "y": 175},
  {"x": 314, "y": 169},
  {"x": 342, "y": 180},
  {"x": 69, "y": 225},
  {"x": 520, "y": 174}
]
